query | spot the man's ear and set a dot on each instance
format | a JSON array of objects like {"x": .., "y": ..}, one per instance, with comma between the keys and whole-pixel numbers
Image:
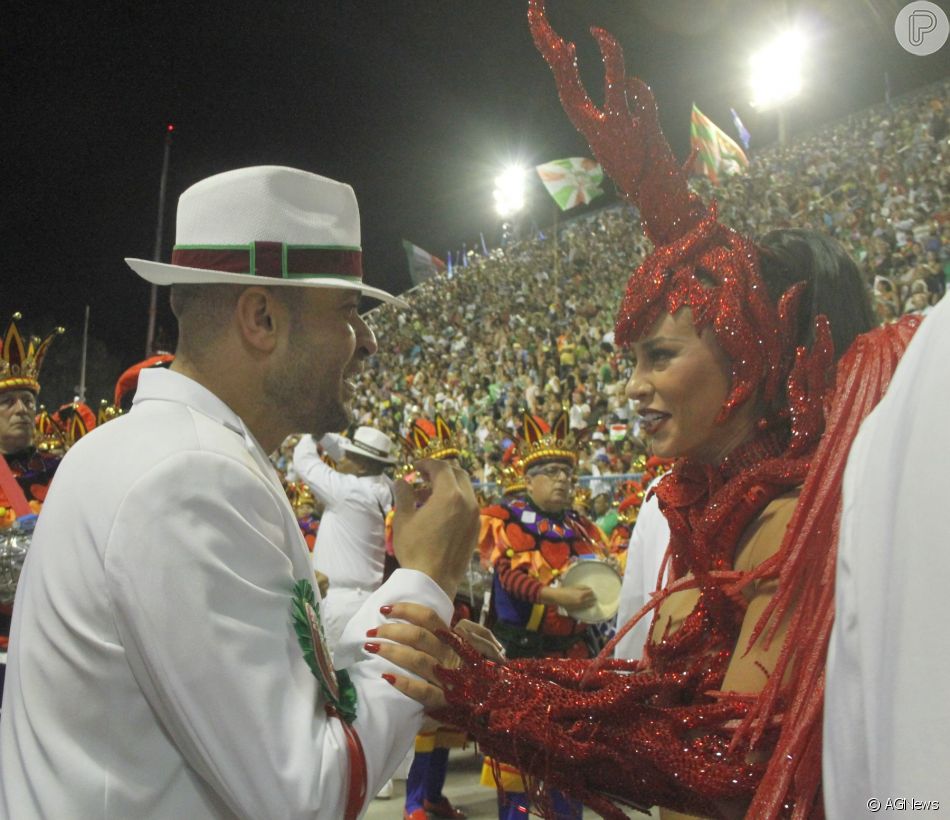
[{"x": 259, "y": 316}]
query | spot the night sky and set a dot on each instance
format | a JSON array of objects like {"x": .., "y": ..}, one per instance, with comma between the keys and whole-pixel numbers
[{"x": 417, "y": 104}]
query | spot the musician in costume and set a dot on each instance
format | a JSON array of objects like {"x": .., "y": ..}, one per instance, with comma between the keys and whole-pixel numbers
[
  {"x": 25, "y": 470},
  {"x": 20, "y": 363},
  {"x": 734, "y": 343},
  {"x": 534, "y": 540}
]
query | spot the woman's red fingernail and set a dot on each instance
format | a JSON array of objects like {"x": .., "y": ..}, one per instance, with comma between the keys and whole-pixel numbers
[
  {"x": 385, "y": 610},
  {"x": 371, "y": 633},
  {"x": 389, "y": 678},
  {"x": 372, "y": 648}
]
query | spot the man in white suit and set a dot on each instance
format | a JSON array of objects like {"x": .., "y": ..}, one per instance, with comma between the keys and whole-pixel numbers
[
  {"x": 154, "y": 669},
  {"x": 887, "y": 718}
]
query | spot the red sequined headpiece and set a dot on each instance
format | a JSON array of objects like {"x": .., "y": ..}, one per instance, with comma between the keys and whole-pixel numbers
[{"x": 697, "y": 262}]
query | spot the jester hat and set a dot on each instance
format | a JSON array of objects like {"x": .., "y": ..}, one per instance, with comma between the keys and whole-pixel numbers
[{"x": 21, "y": 360}]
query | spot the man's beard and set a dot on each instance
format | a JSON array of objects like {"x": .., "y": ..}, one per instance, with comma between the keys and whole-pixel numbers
[{"x": 291, "y": 391}]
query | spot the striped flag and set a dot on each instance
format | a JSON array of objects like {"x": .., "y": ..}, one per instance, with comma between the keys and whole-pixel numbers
[
  {"x": 572, "y": 181},
  {"x": 422, "y": 264},
  {"x": 717, "y": 153}
]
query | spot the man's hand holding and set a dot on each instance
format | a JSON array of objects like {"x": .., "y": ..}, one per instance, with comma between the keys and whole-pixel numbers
[{"x": 435, "y": 530}]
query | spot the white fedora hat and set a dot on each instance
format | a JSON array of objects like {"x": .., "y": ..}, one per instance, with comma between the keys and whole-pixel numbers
[
  {"x": 372, "y": 443},
  {"x": 266, "y": 225}
]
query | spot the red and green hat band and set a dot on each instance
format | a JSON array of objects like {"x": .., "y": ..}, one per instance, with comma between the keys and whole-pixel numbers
[{"x": 276, "y": 260}]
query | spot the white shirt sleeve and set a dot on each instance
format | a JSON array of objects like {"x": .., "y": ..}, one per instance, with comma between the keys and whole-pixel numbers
[
  {"x": 887, "y": 715},
  {"x": 648, "y": 543},
  {"x": 329, "y": 486},
  {"x": 201, "y": 602},
  {"x": 332, "y": 443}
]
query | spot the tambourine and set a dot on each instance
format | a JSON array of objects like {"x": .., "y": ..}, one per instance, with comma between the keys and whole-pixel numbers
[
  {"x": 14, "y": 543},
  {"x": 605, "y": 581}
]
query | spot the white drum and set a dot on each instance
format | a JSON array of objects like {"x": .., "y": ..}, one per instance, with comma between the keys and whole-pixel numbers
[{"x": 604, "y": 579}]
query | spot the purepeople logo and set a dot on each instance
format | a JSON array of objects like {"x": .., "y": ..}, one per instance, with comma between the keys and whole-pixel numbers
[{"x": 922, "y": 27}]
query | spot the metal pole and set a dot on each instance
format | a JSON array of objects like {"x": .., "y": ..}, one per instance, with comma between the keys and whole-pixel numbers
[
  {"x": 157, "y": 252},
  {"x": 557, "y": 263},
  {"x": 82, "y": 366}
]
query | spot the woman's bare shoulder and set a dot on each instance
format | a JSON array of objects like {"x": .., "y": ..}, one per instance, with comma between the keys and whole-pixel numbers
[{"x": 764, "y": 535}]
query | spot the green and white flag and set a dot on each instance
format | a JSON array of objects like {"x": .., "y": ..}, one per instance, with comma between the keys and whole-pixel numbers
[
  {"x": 572, "y": 181},
  {"x": 717, "y": 154},
  {"x": 422, "y": 264}
]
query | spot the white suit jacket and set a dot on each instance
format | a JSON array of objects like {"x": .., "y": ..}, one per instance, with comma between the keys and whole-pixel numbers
[
  {"x": 887, "y": 713},
  {"x": 154, "y": 671}
]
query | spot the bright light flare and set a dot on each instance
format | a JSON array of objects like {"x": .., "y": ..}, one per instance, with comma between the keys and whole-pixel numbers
[
  {"x": 777, "y": 70},
  {"x": 509, "y": 191}
]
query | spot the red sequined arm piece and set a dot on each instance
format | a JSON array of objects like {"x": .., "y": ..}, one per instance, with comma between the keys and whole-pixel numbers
[
  {"x": 516, "y": 581},
  {"x": 604, "y": 745}
]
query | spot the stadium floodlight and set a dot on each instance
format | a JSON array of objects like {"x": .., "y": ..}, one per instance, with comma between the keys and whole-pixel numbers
[
  {"x": 509, "y": 191},
  {"x": 777, "y": 71}
]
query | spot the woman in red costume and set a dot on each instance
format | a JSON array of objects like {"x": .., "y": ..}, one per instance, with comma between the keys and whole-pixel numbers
[{"x": 735, "y": 377}]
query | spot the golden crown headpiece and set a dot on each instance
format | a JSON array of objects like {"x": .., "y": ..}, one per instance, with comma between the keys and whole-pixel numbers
[
  {"x": 107, "y": 412},
  {"x": 540, "y": 443},
  {"x": 299, "y": 495},
  {"x": 582, "y": 496},
  {"x": 64, "y": 428},
  {"x": 20, "y": 363},
  {"x": 49, "y": 437},
  {"x": 512, "y": 472},
  {"x": 629, "y": 508},
  {"x": 428, "y": 439}
]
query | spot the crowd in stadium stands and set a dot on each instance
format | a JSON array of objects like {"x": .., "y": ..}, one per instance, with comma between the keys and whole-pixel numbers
[{"x": 529, "y": 326}]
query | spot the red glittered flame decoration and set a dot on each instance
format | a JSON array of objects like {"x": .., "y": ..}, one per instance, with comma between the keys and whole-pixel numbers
[
  {"x": 698, "y": 263},
  {"x": 625, "y": 134}
]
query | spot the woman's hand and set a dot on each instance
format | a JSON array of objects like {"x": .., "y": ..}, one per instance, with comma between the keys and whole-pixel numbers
[
  {"x": 414, "y": 646},
  {"x": 410, "y": 642}
]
